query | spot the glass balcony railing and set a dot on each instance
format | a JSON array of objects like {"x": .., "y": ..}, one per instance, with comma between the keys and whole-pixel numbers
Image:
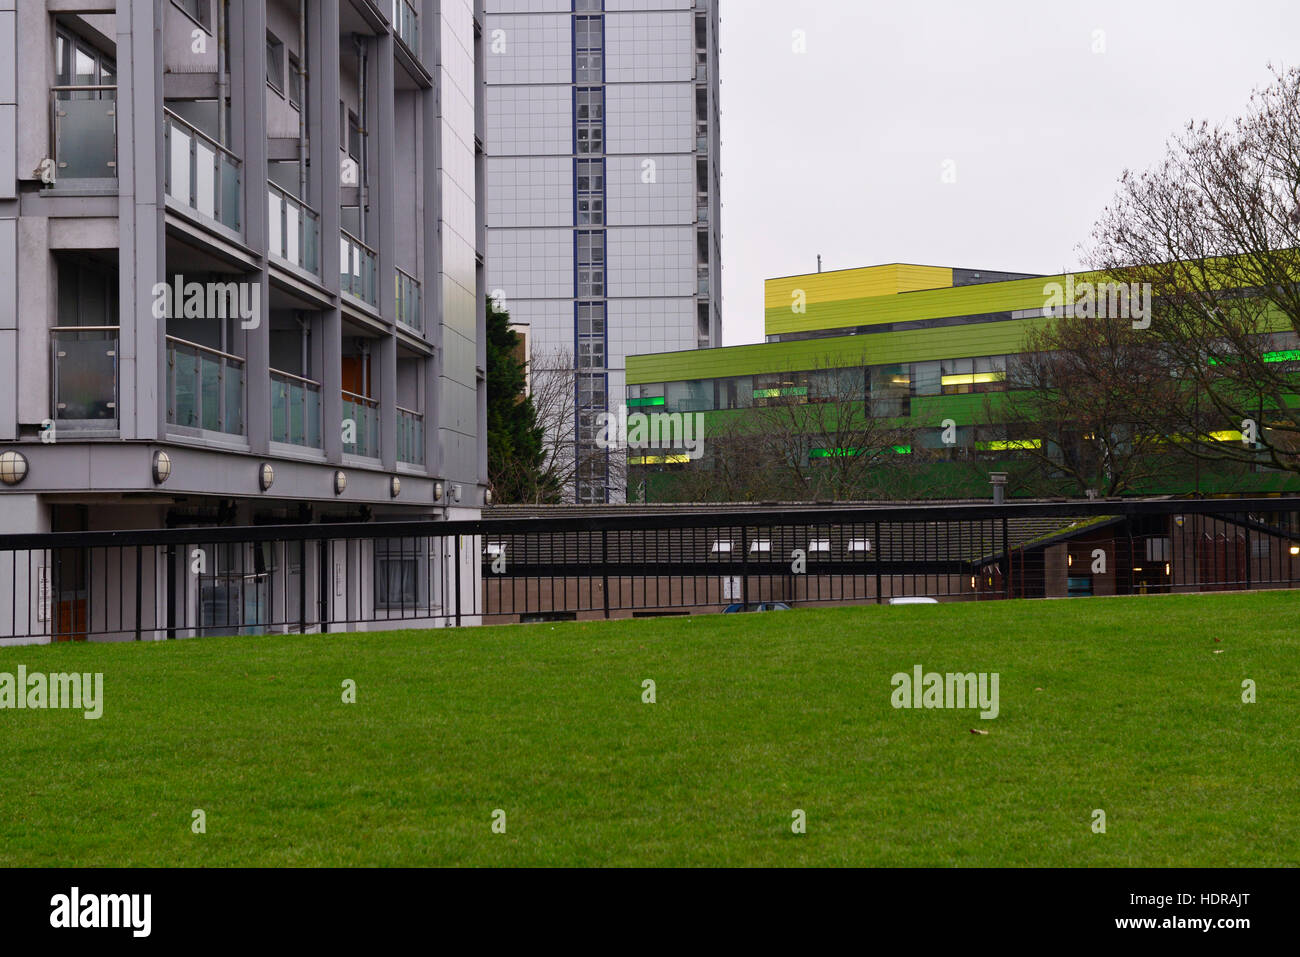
[
  {"x": 84, "y": 381},
  {"x": 293, "y": 229},
  {"x": 295, "y": 410},
  {"x": 410, "y": 437},
  {"x": 362, "y": 415},
  {"x": 406, "y": 25},
  {"x": 205, "y": 388},
  {"x": 201, "y": 173},
  {"x": 357, "y": 266},
  {"x": 408, "y": 301},
  {"x": 85, "y": 132}
]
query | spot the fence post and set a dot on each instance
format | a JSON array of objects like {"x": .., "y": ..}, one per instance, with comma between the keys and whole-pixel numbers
[
  {"x": 744, "y": 568},
  {"x": 880, "y": 598},
  {"x": 457, "y": 564},
  {"x": 302, "y": 586},
  {"x": 1006, "y": 551},
  {"x": 604, "y": 566},
  {"x": 139, "y": 590},
  {"x": 324, "y": 560}
]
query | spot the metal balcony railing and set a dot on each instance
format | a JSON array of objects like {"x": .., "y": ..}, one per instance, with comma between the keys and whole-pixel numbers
[
  {"x": 85, "y": 132},
  {"x": 84, "y": 385},
  {"x": 408, "y": 301},
  {"x": 357, "y": 267},
  {"x": 293, "y": 229},
  {"x": 201, "y": 173},
  {"x": 205, "y": 388},
  {"x": 410, "y": 437},
  {"x": 362, "y": 413},
  {"x": 295, "y": 410},
  {"x": 406, "y": 25}
]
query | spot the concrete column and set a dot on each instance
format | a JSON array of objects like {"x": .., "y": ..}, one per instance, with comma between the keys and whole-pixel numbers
[
  {"x": 431, "y": 281},
  {"x": 142, "y": 359},
  {"x": 384, "y": 196},
  {"x": 324, "y": 135},
  {"x": 248, "y": 133}
]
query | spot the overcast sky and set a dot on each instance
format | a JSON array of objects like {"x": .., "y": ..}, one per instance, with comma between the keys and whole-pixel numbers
[{"x": 841, "y": 150}]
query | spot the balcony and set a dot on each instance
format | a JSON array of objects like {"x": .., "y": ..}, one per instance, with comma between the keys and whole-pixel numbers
[
  {"x": 85, "y": 134},
  {"x": 201, "y": 173},
  {"x": 408, "y": 301},
  {"x": 205, "y": 388},
  {"x": 410, "y": 437},
  {"x": 293, "y": 230},
  {"x": 357, "y": 268},
  {"x": 406, "y": 26},
  {"x": 84, "y": 382},
  {"x": 295, "y": 410},
  {"x": 363, "y": 414}
]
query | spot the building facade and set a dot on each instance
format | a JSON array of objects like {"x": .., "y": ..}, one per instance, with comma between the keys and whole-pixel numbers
[
  {"x": 603, "y": 182},
  {"x": 924, "y": 348},
  {"x": 244, "y": 253}
]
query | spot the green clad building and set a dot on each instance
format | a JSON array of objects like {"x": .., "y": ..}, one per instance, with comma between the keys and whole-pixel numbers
[{"x": 923, "y": 348}]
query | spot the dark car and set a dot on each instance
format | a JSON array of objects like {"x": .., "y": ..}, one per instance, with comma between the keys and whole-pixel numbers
[{"x": 762, "y": 606}]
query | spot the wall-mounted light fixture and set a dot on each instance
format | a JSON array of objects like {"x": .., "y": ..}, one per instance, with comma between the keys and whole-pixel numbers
[
  {"x": 162, "y": 467},
  {"x": 13, "y": 467}
]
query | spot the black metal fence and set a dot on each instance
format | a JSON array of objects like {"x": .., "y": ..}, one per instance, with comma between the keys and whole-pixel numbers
[{"x": 188, "y": 582}]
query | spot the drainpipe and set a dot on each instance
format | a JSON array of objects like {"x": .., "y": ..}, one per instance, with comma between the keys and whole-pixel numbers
[
  {"x": 302, "y": 97},
  {"x": 223, "y": 75},
  {"x": 363, "y": 198}
]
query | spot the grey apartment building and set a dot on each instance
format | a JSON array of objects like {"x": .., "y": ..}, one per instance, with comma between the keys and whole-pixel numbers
[
  {"x": 603, "y": 192},
  {"x": 241, "y": 280}
]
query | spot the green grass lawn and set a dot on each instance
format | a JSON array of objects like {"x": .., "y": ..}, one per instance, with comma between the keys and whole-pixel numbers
[{"x": 1113, "y": 704}]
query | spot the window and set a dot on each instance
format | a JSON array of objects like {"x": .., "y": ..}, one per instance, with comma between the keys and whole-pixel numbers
[
  {"x": 721, "y": 547},
  {"x": 591, "y": 176},
  {"x": 860, "y": 545},
  {"x": 295, "y": 82},
  {"x": 589, "y": 33},
  {"x": 591, "y": 212},
  {"x": 591, "y": 282},
  {"x": 590, "y": 105},
  {"x": 275, "y": 63},
  {"x": 591, "y": 319},
  {"x": 591, "y": 354},
  {"x": 590, "y": 139},
  {"x": 760, "y": 546},
  {"x": 591, "y": 248},
  {"x": 819, "y": 546},
  {"x": 398, "y": 574}
]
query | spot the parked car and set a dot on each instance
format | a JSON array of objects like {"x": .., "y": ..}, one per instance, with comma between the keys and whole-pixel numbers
[
  {"x": 914, "y": 601},
  {"x": 761, "y": 606}
]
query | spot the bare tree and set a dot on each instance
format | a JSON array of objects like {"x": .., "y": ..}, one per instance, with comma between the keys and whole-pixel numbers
[
  {"x": 554, "y": 391},
  {"x": 1214, "y": 230},
  {"x": 1086, "y": 403}
]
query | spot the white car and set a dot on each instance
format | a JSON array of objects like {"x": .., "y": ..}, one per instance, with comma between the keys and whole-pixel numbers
[{"x": 914, "y": 601}]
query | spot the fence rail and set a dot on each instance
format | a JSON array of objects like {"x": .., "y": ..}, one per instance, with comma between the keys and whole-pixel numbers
[{"x": 187, "y": 582}]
